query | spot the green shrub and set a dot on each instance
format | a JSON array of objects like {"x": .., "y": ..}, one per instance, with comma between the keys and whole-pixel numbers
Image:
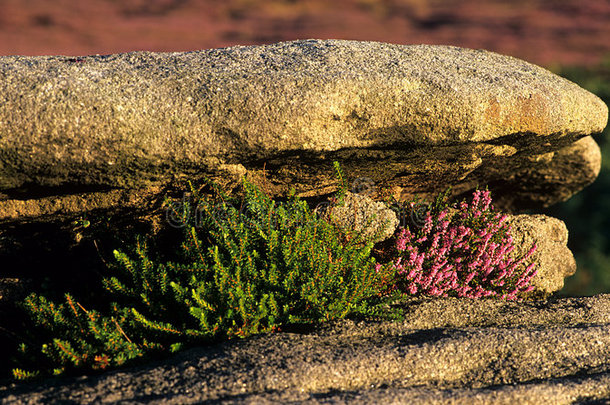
[{"x": 247, "y": 267}]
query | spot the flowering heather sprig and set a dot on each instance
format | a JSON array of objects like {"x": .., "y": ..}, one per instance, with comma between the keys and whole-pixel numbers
[{"x": 465, "y": 254}]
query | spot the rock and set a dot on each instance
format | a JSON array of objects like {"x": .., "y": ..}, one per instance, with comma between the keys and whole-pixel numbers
[
  {"x": 434, "y": 115},
  {"x": 445, "y": 351},
  {"x": 109, "y": 136},
  {"x": 65, "y": 206},
  {"x": 89, "y": 146},
  {"x": 369, "y": 218},
  {"x": 554, "y": 260},
  {"x": 540, "y": 180}
]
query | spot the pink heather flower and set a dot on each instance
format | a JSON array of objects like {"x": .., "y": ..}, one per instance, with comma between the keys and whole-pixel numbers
[
  {"x": 469, "y": 277},
  {"x": 401, "y": 245},
  {"x": 466, "y": 254},
  {"x": 413, "y": 273},
  {"x": 404, "y": 237},
  {"x": 400, "y": 268},
  {"x": 435, "y": 241},
  {"x": 476, "y": 197}
]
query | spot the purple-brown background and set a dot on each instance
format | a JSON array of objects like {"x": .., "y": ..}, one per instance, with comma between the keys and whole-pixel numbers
[{"x": 546, "y": 32}]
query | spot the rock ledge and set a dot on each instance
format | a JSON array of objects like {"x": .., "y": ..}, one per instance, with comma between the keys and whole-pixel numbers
[{"x": 445, "y": 350}]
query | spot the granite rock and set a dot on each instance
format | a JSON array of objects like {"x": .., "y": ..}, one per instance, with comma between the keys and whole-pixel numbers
[
  {"x": 414, "y": 117},
  {"x": 553, "y": 258},
  {"x": 368, "y": 218},
  {"x": 445, "y": 351}
]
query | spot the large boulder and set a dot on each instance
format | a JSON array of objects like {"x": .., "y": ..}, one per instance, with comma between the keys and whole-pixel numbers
[
  {"x": 103, "y": 139},
  {"x": 415, "y": 118},
  {"x": 445, "y": 351},
  {"x": 89, "y": 146}
]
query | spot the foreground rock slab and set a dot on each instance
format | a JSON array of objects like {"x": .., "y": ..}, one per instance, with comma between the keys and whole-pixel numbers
[
  {"x": 418, "y": 118},
  {"x": 445, "y": 351}
]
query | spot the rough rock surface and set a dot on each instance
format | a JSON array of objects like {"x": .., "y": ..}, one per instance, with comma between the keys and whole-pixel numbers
[
  {"x": 554, "y": 260},
  {"x": 434, "y": 115},
  {"x": 104, "y": 138},
  {"x": 445, "y": 351},
  {"x": 367, "y": 217},
  {"x": 547, "y": 177}
]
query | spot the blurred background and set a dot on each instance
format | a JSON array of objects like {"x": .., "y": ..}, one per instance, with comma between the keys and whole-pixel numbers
[{"x": 570, "y": 37}]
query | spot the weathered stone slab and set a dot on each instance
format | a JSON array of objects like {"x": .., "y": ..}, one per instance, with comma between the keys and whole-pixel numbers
[
  {"x": 539, "y": 180},
  {"x": 414, "y": 117},
  {"x": 445, "y": 351}
]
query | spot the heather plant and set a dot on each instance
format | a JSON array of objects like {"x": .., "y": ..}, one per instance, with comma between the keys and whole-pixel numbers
[
  {"x": 464, "y": 250},
  {"x": 255, "y": 265},
  {"x": 247, "y": 267}
]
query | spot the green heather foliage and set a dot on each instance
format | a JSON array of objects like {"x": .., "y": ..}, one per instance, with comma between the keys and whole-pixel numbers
[{"x": 243, "y": 271}]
